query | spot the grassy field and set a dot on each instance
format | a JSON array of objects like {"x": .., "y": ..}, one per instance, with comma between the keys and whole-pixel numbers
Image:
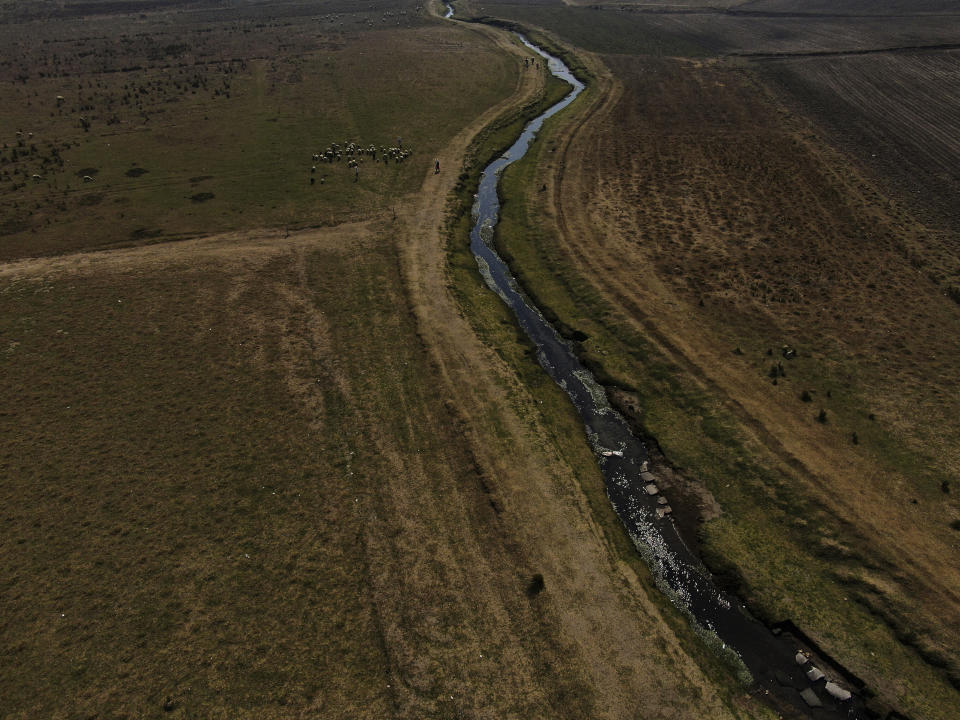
[
  {"x": 199, "y": 520},
  {"x": 241, "y": 510},
  {"x": 217, "y": 130},
  {"x": 693, "y": 227},
  {"x": 167, "y": 539}
]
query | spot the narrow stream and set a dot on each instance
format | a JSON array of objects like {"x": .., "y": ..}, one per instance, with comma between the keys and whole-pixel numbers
[{"x": 719, "y": 617}]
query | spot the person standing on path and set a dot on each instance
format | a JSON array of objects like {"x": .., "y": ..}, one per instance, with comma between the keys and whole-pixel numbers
[{"x": 436, "y": 168}]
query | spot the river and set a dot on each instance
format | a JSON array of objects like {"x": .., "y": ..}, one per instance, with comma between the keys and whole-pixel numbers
[{"x": 719, "y": 618}]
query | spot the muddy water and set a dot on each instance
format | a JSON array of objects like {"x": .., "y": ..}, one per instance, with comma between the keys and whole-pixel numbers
[{"x": 719, "y": 617}]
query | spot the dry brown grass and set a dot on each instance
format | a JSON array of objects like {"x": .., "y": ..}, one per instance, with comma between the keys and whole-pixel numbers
[
  {"x": 166, "y": 533},
  {"x": 229, "y": 500}
]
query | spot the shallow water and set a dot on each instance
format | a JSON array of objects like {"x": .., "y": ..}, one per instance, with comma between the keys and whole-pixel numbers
[{"x": 718, "y": 616}]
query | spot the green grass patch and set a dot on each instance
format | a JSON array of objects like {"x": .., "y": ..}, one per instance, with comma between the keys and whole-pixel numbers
[{"x": 128, "y": 150}]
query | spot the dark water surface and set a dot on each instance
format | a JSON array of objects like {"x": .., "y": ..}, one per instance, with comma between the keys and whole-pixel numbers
[{"x": 719, "y": 617}]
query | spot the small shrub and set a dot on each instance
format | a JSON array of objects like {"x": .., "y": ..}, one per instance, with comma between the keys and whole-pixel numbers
[
  {"x": 806, "y": 396},
  {"x": 536, "y": 586},
  {"x": 822, "y": 416},
  {"x": 202, "y": 197},
  {"x": 145, "y": 234}
]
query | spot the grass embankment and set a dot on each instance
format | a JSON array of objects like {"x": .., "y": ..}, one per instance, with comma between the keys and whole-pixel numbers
[
  {"x": 496, "y": 326},
  {"x": 790, "y": 553},
  {"x": 208, "y": 135}
]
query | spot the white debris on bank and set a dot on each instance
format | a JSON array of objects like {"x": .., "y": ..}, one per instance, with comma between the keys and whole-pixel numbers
[
  {"x": 597, "y": 393},
  {"x": 837, "y": 692}
]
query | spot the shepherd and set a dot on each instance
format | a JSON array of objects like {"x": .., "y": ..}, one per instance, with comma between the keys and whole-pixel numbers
[{"x": 436, "y": 167}]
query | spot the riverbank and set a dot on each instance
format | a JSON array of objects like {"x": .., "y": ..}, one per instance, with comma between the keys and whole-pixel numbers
[{"x": 594, "y": 265}]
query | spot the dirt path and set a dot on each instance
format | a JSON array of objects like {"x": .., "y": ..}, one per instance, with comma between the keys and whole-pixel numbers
[{"x": 242, "y": 246}]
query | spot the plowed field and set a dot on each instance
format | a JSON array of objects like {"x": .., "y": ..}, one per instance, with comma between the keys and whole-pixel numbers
[{"x": 898, "y": 113}]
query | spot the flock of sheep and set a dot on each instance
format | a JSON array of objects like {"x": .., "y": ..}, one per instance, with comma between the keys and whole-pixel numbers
[{"x": 355, "y": 155}]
